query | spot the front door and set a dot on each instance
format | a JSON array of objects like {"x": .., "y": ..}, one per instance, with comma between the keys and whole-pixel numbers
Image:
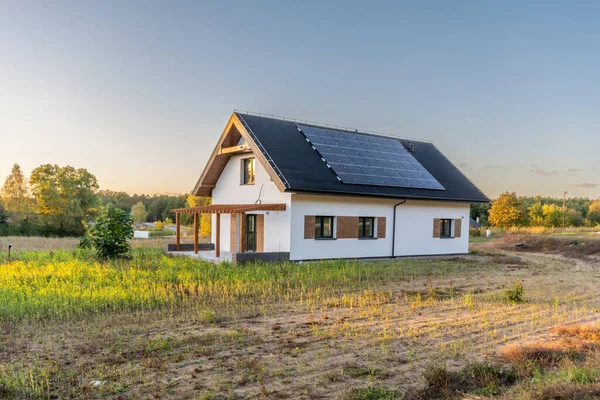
[{"x": 250, "y": 236}]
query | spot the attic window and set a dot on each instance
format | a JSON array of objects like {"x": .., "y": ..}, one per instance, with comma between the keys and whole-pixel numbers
[{"x": 248, "y": 171}]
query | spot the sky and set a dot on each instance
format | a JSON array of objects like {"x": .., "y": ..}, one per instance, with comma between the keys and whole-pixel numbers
[{"x": 138, "y": 92}]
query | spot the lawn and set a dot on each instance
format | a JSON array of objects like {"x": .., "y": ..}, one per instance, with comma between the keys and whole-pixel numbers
[{"x": 155, "y": 326}]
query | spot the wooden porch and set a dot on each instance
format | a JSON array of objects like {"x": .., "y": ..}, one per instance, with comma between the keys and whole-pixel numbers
[{"x": 233, "y": 209}]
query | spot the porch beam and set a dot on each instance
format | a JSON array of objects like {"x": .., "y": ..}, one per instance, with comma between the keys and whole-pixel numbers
[
  {"x": 244, "y": 148},
  {"x": 196, "y": 232},
  {"x": 218, "y": 239},
  {"x": 177, "y": 231}
]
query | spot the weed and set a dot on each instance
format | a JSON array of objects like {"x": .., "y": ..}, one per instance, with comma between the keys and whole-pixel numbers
[
  {"x": 372, "y": 394},
  {"x": 485, "y": 379},
  {"x": 468, "y": 301},
  {"x": 515, "y": 294}
]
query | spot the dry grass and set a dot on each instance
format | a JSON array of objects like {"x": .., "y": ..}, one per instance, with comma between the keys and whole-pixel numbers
[
  {"x": 545, "y": 354},
  {"x": 34, "y": 243},
  {"x": 585, "y": 332},
  {"x": 26, "y": 243},
  {"x": 565, "y": 391}
]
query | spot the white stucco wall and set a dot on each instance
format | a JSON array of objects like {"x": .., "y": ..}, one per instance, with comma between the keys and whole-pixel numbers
[
  {"x": 414, "y": 227},
  {"x": 229, "y": 191},
  {"x": 284, "y": 230}
]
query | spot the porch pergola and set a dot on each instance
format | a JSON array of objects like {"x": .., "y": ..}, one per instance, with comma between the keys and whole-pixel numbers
[{"x": 218, "y": 209}]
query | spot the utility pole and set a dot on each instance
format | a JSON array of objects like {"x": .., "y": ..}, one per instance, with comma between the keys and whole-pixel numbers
[{"x": 564, "y": 208}]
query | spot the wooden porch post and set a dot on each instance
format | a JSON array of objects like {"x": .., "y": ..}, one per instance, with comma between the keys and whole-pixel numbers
[
  {"x": 196, "y": 232},
  {"x": 242, "y": 232},
  {"x": 177, "y": 231},
  {"x": 218, "y": 240}
]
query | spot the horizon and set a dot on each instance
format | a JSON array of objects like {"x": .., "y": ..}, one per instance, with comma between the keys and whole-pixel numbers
[{"x": 138, "y": 93}]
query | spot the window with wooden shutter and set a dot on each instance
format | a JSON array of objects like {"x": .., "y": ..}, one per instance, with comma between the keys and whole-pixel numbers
[
  {"x": 437, "y": 227},
  {"x": 233, "y": 233},
  {"x": 260, "y": 232},
  {"x": 347, "y": 228},
  {"x": 381, "y": 228},
  {"x": 309, "y": 227},
  {"x": 457, "y": 227}
]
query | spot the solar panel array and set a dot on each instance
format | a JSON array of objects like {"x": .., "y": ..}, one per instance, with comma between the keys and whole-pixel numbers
[{"x": 362, "y": 159}]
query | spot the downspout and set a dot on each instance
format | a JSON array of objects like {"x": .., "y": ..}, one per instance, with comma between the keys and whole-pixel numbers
[{"x": 394, "y": 228}]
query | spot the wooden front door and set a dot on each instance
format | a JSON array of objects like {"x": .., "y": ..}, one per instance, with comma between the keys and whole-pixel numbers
[{"x": 250, "y": 234}]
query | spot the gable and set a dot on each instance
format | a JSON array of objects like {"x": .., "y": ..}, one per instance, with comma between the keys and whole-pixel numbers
[{"x": 234, "y": 140}]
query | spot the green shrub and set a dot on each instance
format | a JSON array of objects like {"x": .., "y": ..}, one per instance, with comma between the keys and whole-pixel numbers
[
  {"x": 516, "y": 294},
  {"x": 111, "y": 233}
]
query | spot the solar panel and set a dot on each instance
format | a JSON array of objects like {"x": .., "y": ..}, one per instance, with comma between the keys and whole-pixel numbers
[{"x": 362, "y": 159}]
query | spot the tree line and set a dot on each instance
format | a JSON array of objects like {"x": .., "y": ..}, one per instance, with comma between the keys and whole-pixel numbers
[
  {"x": 62, "y": 201},
  {"x": 509, "y": 209}
]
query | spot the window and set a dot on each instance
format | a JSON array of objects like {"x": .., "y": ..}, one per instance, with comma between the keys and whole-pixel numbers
[
  {"x": 366, "y": 227},
  {"x": 248, "y": 171},
  {"x": 446, "y": 228},
  {"x": 323, "y": 227}
]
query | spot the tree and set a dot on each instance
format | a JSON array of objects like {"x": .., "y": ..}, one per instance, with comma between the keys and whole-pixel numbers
[
  {"x": 553, "y": 215},
  {"x": 536, "y": 214},
  {"x": 15, "y": 194},
  {"x": 111, "y": 233},
  {"x": 594, "y": 213},
  {"x": 139, "y": 212},
  {"x": 507, "y": 211},
  {"x": 205, "y": 219},
  {"x": 574, "y": 218},
  {"x": 66, "y": 197},
  {"x": 480, "y": 210},
  {"x": 3, "y": 215}
]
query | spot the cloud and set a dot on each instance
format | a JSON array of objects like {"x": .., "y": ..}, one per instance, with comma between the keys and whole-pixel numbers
[
  {"x": 550, "y": 172},
  {"x": 469, "y": 120},
  {"x": 493, "y": 167},
  {"x": 545, "y": 172},
  {"x": 586, "y": 185}
]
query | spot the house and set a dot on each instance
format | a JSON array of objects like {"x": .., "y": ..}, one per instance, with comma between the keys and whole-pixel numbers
[{"x": 284, "y": 189}]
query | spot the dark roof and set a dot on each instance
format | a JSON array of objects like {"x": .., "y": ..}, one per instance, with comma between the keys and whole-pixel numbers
[{"x": 302, "y": 170}]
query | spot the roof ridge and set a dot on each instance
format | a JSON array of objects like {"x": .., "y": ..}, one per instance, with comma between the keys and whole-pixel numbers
[{"x": 330, "y": 126}]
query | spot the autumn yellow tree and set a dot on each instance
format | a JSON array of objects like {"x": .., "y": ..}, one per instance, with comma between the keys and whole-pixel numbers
[
  {"x": 205, "y": 219},
  {"x": 594, "y": 213},
  {"x": 15, "y": 194},
  {"x": 507, "y": 211}
]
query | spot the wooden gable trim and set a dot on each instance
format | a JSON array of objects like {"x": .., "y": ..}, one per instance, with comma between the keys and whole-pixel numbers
[{"x": 225, "y": 148}]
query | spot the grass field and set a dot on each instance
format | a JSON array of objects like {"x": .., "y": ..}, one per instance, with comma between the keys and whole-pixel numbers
[{"x": 170, "y": 327}]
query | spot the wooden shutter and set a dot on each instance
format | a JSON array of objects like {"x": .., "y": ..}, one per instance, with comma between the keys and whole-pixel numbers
[
  {"x": 309, "y": 227},
  {"x": 260, "y": 233},
  {"x": 380, "y": 227},
  {"x": 457, "y": 227},
  {"x": 233, "y": 233},
  {"x": 437, "y": 227},
  {"x": 347, "y": 228}
]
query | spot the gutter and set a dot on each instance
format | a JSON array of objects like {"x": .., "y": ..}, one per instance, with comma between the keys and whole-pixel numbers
[{"x": 394, "y": 228}]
